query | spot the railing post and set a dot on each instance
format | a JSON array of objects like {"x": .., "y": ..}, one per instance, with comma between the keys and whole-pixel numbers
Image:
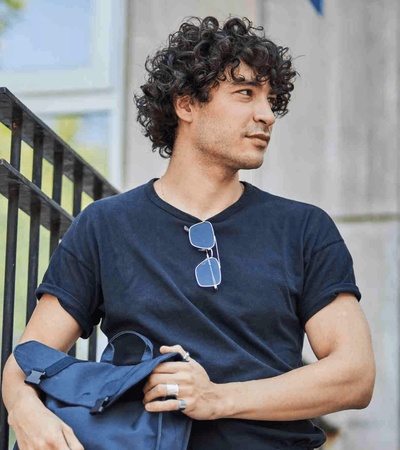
[
  {"x": 97, "y": 195},
  {"x": 16, "y": 138},
  {"x": 10, "y": 268},
  {"x": 78, "y": 187},
  {"x": 34, "y": 231},
  {"x": 57, "y": 190},
  {"x": 76, "y": 208}
]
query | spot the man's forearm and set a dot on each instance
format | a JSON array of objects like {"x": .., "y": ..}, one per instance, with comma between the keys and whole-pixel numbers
[
  {"x": 323, "y": 387},
  {"x": 34, "y": 425},
  {"x": 14, "y": 386}
]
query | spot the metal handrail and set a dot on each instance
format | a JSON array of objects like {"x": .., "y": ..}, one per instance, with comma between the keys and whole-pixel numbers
[
  {"x": 14, "y": 113},
  {"x": 26, "y": 195}
]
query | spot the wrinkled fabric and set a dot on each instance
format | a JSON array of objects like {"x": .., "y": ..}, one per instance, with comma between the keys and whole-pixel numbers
[
  {"x": 102, "y": 402},
  {"x": 127, "y": 261}
]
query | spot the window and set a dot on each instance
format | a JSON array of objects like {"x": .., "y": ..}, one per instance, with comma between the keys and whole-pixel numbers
[
  {"x": 65, "y": 60},
  {"x": 36, "y": 38}
]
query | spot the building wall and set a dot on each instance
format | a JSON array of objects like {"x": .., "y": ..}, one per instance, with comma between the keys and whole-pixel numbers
[{"x": 337, "y": 148}]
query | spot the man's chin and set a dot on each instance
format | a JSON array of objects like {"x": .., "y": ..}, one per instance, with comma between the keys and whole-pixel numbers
[{"x": 252, "y": 164}]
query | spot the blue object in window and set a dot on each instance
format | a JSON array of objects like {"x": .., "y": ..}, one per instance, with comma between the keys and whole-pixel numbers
[{"x": 318, "y": 5}]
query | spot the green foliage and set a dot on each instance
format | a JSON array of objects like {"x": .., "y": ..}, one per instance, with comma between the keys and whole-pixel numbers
[
  {"x": 9, "y": 9},
  {"x": 15, "y": 5}
]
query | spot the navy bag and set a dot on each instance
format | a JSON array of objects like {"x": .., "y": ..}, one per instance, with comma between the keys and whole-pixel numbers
[{"x": 102, "y": 401}]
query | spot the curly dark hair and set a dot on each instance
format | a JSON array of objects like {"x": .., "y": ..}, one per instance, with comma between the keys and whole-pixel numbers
[{"x": 196, "y": 59}]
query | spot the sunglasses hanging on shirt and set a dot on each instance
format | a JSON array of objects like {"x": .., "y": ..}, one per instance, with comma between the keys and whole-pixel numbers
[{"x": 202, "y": 237}]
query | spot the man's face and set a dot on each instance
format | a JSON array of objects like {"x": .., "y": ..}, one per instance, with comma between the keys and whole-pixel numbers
[{"x": 234, "y": 128}]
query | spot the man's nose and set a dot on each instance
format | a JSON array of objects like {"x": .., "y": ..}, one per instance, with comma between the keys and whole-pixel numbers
[{"x": 263, "y": 113}]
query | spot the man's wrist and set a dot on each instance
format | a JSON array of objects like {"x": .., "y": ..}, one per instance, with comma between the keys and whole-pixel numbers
[{"x": 225, "y": 400}]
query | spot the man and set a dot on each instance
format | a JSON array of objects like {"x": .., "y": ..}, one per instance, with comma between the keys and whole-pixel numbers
[{"x": 200, "y": 262}]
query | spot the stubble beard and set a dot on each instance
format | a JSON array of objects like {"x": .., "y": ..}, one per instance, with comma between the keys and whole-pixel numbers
[
  {"x": 251, "y": 163},
  {"x": 221, "y": 153},
  {"x": 218, "y": 154}
]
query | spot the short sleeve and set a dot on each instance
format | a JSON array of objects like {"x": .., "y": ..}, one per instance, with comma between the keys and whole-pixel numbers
[
  {"x": 328, "y": 267},
  {"x": 73, "y": 275}
]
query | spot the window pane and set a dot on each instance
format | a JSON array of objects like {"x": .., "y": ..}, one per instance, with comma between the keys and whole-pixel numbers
[{"x": 46, "y": 34}]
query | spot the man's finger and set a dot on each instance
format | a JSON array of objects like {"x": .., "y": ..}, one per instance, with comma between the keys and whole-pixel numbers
[
  {"x": 171, "y": 349},
  {"x": 164, "y": 379},
  {"x": 175, "y": 348},
  {"x": 170, "y": 367},
  {"x": 166, "y": 405},
  {"x": 71, "y": 439}
]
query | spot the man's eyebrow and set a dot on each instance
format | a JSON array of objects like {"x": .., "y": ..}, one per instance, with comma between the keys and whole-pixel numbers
[{"x": 245, "y": 83}]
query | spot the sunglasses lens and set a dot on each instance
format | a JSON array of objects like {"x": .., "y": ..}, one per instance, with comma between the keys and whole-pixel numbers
[
  {"x": 201, "y": 235},
  {"x": 208, "y": 273}
]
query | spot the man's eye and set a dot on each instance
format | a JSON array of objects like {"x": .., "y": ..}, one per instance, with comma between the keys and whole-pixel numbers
[{"x": 246, "y": 92}]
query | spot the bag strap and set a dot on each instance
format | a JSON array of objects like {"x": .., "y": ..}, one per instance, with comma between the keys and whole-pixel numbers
[{"x": 37, "y": 375}]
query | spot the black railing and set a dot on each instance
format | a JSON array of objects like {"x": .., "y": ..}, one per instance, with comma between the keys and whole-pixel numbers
[{"x": 27, "y": 195}]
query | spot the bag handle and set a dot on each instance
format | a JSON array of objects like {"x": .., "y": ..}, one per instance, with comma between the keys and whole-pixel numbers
[{"x": 109, "y": 351}]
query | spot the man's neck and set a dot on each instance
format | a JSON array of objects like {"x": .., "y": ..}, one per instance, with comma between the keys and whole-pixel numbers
[{"x": 201, "y": 192}]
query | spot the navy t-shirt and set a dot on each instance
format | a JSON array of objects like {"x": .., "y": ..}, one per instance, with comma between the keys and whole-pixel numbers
[{"x": 127, "y": 261}]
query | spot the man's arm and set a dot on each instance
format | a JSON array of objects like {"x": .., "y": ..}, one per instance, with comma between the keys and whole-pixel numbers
[
  {"x": 342, "y": 378},
  {"x": 34, "y": 425}
]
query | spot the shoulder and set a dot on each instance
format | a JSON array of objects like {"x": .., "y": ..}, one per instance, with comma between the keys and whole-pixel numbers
[
  {"x": 117, "y": 208},
  {"x": 289, "y": 208},
  {"x": 303, "y": 222},
  {"x": 119, "y": 202},
  {"x": 108, "y": 214}
]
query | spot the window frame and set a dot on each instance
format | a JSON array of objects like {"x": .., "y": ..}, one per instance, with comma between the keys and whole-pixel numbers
[
  {"x": 97, "y": 75},
  {"x": 98, "y": 87}
]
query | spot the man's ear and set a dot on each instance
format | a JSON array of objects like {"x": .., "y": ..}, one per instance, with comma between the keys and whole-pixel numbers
[{"x": 184, "y": 107}]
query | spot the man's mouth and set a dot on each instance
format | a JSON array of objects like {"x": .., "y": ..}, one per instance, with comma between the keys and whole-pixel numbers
[{"x": 262, "y": 136}]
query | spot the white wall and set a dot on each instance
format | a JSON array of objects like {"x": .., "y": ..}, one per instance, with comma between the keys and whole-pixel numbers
[{"x": 338, "y": 148}]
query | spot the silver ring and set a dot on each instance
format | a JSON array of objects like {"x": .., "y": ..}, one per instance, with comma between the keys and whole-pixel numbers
[
  {"x": 172, "y": 390},
  {"x": 185, "y": 357},
  {"x": 182, "y": 404}
]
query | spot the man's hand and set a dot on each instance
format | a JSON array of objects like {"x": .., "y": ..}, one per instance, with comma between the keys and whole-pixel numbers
[
  {"x": 37, "y": 428},
  {"x": 34, "y": 425},
  {"x": 195, "y": 388}
]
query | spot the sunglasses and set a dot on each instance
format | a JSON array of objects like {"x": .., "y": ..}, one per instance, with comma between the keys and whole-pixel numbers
[{"x": 208, "y": 272}]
